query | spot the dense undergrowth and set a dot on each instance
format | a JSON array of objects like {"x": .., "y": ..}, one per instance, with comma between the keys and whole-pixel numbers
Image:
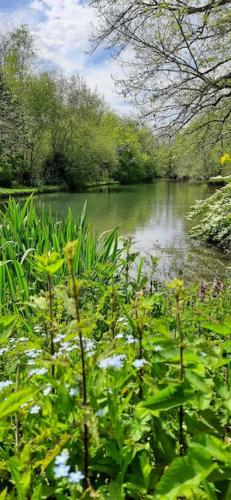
[{"x": 112, "y": 386}]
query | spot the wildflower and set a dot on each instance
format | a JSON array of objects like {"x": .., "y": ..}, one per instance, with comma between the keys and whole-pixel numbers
[
  {"x": 38, "y": 371},
  {"x": 58, "y": 338},
  {"x": 218, "y": 286},
  {"x": 61, "y": 470},
  {"x": 3, "y": 350},
  {"x": 139, "y": 363},
  {"x": 66, "y": 347},
  {"x": 203, "y": 289},
  {"x": 22, "y": 339},
  {"x": 33, "y": 353},
  {"x": 119, "y": 336},
  {"x": 115, "y": 361},
  {"x": 75, "y": 477},
  {"x": 101, "y": 412},
  {"x": 31, "y": 362},
  {"x": 62, "y": 458},
  {"x": 37, "y": 329},
  {"x": 89, "y": 345},
  {"x": 5, "y": 383},
  {"x": 158, "y": 348},
  {"x": 90, "y": 354},
  {"x": 122, "y": 320},
  {"x": 73, "y": 391},
  {"x": 47, "y": 390},
  {"x": 130, "y": 339},
  {"x": 35, "y": 409}
]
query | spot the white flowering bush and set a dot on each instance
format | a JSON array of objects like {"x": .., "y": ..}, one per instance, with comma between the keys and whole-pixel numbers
[{"x": 215, "y": 219}]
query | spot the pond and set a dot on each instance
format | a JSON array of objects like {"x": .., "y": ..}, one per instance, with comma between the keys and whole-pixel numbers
[{"x": 155, "y": 216}]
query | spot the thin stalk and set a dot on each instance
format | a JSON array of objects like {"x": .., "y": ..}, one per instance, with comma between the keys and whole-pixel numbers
[
  {"x": 17, "y": 421},
  {"x": 181, "y": 348},
  {"x": 52, "y": 346},
  {"x": 140, "y": 339},
  {"x": 113, "y": 311},
  {"x": 84, "y": 380}
]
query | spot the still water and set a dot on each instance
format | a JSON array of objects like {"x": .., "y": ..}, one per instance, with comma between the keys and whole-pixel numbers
[{"x": 155, "y": 216}]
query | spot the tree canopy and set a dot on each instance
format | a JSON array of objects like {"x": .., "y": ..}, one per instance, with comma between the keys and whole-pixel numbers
[{"x": 176, "y": 56}]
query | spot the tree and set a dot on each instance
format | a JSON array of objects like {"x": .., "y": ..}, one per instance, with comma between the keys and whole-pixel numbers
[
  {"x": 179, "y": 56},
  {"x": 13, "y": 135}
]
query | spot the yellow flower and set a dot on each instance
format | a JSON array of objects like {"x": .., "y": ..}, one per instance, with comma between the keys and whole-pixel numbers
[{"x": 225, "y": 158}]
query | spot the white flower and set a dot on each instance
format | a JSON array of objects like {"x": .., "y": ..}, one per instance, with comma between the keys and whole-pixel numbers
[
  {"x": 3, "y": 350},
  {"x": 89, "y": 345},
  {"x": 115, "y": 361},
  {"x": 33, "y": 353},
  {"x": 47, "y": 390},
  {"x": 73, "y": 391},
  {"x": 37, "y": 329},
  {"x": 130, "y": 339},
  {"x": 119, "y": 336},
  {"x": 31, "y": 362},
  {"x": 75, "y": 477},
  {"x": 62, "y": 458},
  {"x": 139, "y": 363},
  {"x": 122, "y": 320},
  {"x": 22, "y": 339},
  {"x": 5, "y": 383},
  {"x": 158, "y": 348},
  {"x": 59, "y": 338},
  {"x": 38, "y": 371},
  {"x": 90, "y": 354},
  {"x": 101, "y": 412},
  {"x": 61, "y": 470},
  {"x": 35, "y": 409}
]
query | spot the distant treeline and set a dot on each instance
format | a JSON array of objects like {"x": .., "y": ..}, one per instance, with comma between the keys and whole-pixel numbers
[{"x": 54, "y": 129}]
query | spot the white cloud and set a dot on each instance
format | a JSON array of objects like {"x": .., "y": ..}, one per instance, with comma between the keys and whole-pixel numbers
[
  {"x": 62, "y": 29},
  {"x": 37, "y": 5}
]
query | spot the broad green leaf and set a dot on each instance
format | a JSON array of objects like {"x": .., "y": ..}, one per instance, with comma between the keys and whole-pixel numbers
[
  {"x": 183, "y": 477},
  {"x": 15, "y": 401},
  {"x": 170, "y": 397},
  {"x": 219, "y": 328}
]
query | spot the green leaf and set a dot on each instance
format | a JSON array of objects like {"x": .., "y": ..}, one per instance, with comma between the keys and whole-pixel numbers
[
  {"x": 221, "y": 329},
  {"x": 15, "y": 401},
  {"x": 170, "y": 397},
  {"x": 183, "y": 477}
]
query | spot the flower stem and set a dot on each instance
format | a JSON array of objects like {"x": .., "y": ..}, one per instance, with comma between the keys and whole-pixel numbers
[
  {"x": 84, "y": 380},
  {"x": 52, "y": 347}
]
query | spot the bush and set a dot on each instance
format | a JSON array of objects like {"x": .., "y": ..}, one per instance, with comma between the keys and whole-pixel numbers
[
  {"x": 215, "y": 224},
  {"x": 5, "y": 175}
]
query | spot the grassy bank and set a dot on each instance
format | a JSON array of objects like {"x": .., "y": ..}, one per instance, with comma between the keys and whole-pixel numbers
[
  {"x": 26, "y": 191},
  {"x": 111, "y": 386}
]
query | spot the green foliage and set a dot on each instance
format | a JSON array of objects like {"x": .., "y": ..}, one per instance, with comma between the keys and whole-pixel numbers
[
  {"x": 55, "y": 130},
  {"x": 92, "y": 368}
]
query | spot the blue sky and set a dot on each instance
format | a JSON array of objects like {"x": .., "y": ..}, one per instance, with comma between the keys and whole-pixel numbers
[{"x": 62, "y": 29}]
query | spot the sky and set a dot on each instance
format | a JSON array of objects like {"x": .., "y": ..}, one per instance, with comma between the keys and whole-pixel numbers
[{"x": 62, "y": 29}]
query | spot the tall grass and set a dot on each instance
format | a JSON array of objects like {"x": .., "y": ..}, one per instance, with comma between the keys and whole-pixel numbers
[{"x": 24, "y": 228}]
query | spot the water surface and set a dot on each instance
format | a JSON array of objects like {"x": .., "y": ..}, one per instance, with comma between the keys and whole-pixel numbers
[{"x": 155, "y": 216}]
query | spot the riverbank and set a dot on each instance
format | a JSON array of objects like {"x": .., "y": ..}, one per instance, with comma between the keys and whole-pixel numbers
[
  {"x": 220, "y": 180},
  {"x": 16, "y": 192},
  {"x": 25, "y": 191}
]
